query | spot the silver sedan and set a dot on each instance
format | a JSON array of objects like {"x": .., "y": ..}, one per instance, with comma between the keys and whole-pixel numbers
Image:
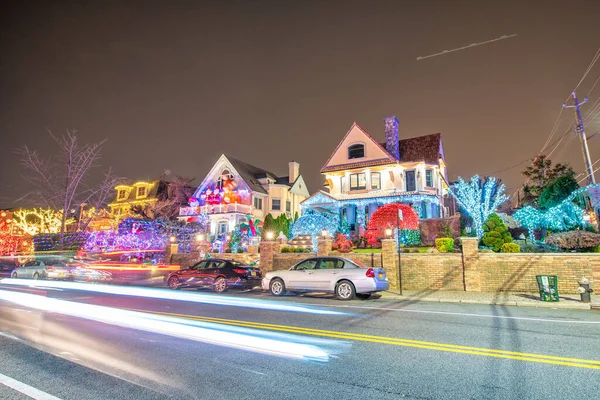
[
  {"x": 40, "y": 269},
  {"x": 341, "y": 276}
]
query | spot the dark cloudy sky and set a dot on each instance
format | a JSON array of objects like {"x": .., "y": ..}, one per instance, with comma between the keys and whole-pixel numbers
[{"x": 173, "y": 84}]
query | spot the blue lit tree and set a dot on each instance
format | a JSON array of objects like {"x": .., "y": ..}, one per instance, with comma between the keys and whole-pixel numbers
[
  {"x": 344, "y": 227},
  {"x": 312, "y": 223},
  {"x": 479, "y": 199}
]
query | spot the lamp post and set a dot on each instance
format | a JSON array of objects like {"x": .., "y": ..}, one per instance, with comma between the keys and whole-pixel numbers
[
  {"x": 468, "y": 230},
  {"x": 400, "y": 217}
]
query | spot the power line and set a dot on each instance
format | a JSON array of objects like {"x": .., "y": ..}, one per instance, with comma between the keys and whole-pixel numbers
[{"x": 467, "y": 47}]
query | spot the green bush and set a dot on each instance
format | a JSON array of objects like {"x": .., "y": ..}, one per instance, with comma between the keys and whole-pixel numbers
[
  {"x": 240, "y": 250},
  {"x": 298, "y": 250},
  {"x": 285, "y": 249},
  {"x": 596, "y": 249},
  {"x": 444, "y": 245},
  {"x": 495, "y": 233},
  {"x": 511, "y": 248}
]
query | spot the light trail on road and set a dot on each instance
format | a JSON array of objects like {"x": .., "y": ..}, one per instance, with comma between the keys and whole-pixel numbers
[
  {"x": 166, "y": 294},
  {"x": 212, "y": 333},
  {"x": 506, "y": 354}
]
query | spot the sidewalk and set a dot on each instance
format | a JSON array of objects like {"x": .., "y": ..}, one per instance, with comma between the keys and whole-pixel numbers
[{"x": 570, "y": 301}]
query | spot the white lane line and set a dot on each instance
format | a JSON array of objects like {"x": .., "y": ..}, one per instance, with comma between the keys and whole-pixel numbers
[
  {"x": 26, "y": 389},
  {"x": 460, "y": 314}
]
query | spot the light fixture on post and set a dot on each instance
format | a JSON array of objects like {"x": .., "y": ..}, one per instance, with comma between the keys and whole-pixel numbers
[
  {"x": 228, "y": 237},
  {"x": 468, "y": 230},
  {"x": 200, "y": 237},
  {"x": 172, "y": 239},
  {"x": 324, "y": 233},
  {"x": 269, "y": 235},
  {"x": 388, "y": 233}
]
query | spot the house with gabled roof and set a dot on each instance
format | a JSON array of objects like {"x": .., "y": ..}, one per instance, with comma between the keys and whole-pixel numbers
[
  {"x": 362, "y": 174},
  {"x": 233, "y": 190}
]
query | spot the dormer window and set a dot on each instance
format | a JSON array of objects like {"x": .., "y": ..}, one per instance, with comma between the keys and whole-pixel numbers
[
  {"x": 356, "y": 151},
  {"x": 122, "y": 194},
  {"x": 141, "y": 191}
]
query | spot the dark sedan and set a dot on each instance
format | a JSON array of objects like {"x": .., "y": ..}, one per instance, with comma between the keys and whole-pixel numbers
[{"x": 217, "y": 274}]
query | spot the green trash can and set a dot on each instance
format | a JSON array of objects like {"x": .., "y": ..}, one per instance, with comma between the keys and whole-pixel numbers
[{"x": 548, "y": 285}]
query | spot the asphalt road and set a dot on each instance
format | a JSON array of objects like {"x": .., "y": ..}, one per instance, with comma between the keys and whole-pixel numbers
[{"x": 373, "y": 349}]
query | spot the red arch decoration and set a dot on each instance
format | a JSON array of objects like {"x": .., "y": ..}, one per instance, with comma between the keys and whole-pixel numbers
[{"x": 387, "y": 217}]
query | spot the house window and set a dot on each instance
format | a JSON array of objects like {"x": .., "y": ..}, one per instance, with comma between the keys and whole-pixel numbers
[
  {"x": 122, "y": 194},
  {"x": 375, "y": 181},
  {"x": 356, "y": 151},
  {"x": 258, "y": 203},
  {"x": 275, "y": 204},
  {"x": 429, "y": 178},
  {"x": 288, "y": 206},
  {"x": 343, "y": 184},
  {"x": 410, "y": 181},
  {"x": 141, "y": 191},
  {"x": 225, "y": 176},
  {"x": 222, "y": 229},
  {"x": 358, "y": 181}
]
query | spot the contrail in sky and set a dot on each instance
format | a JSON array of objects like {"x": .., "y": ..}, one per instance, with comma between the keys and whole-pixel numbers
[{"x": 467, "y": 47}]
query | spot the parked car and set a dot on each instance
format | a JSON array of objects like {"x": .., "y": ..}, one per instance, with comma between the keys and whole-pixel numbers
[
  {"x": 344, "y": 277},
  {"x": 217, "y": 274},
  {"x": 42, "y": 269}
]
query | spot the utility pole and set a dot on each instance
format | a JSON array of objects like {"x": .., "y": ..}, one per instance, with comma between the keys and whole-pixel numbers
[{"x": 582, "y": 138}]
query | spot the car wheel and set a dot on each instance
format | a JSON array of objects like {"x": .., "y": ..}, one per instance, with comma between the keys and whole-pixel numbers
[
  {"x": 14, "y": 275},
  {"x": 344, "y": 290},
  {"x": 220, "y": 285},
  {"x": 363, "y": 296},
  {"x": 36, "y": 276},
  {"x": 174, "y": 282},
  {"x": 277, "y": 287}
]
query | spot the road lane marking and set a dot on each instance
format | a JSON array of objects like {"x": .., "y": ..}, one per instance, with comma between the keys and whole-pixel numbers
[
  {"x": 457, "y": 313},
  {"x": 513, "y": 355},
  {"x": 27, "y": 390}
]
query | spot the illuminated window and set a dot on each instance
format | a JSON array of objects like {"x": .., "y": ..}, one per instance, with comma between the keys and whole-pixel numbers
[
  {"x": 356, "y": 151},
  {"x": 225, "y": 176},
  {"x": 122, "y": 194},
  {"x": 288, "y": 206},
  {"x": 429, "y": 178},
  {"x": 358, "y": 181},
  {"x": 375, "y": 181},
  {"x": 141, "y": 191}
]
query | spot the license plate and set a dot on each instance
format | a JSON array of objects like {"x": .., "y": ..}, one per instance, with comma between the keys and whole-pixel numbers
[
  {"x": 381, "y": 275},
  {"x": 61, "y": 274}
]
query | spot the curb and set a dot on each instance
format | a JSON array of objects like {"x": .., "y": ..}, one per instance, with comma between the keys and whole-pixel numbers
[{"x": 513, "y": 303}]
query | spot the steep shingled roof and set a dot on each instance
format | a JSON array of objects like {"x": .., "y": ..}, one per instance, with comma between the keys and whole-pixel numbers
[
  {"x": 250, "y": 174},
  {"x": 426, "y": 148}
]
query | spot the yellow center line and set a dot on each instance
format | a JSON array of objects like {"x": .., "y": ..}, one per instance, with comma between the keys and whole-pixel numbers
[{"x": 506, "y": 354}]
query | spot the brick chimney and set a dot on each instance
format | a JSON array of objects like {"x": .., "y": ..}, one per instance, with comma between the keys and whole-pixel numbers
[
  {"x": 294, "y": 171},
  {"x": 391, "y": 136}
]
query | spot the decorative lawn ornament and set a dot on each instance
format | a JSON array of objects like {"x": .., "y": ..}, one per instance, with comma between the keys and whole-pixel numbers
[
  {"x": 312, "y": 223},
  {"x": 252, "y": 226},
  {"x": 479, "y": 199},
  {"x": 387, "y": 217}
]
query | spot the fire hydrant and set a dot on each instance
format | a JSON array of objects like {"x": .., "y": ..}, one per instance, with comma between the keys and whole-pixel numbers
[{"x": 584, "y": 289}]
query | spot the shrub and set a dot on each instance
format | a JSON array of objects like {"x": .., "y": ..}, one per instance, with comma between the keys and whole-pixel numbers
[
  {"x": 298, "y": 250},
  {"x": 574, "y": 240},
  {"x": 591, "y": 228},
  {"x": 596, "y": 249},
  {"x": 444, "y": 245},
  {"x": 495, "y": 233},
  {"x": 511, "y": 248},
  {"x": 240, "y": 250},
  {"x": 342, "y": 243},
  {"x": 228, "y": 250},
  {"x": 306, "y": 251},
  {"x": 285, "y": 249}
]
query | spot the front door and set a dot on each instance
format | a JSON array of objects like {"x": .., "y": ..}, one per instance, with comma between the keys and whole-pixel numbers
[
  {"x": 410, "y": 181},
  {"x": 301, "y": 277}
]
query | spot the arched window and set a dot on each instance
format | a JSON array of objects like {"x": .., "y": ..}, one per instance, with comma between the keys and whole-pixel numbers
[
  {"x": 225, "y": 175},
  {"x": 356, "y": 151}
]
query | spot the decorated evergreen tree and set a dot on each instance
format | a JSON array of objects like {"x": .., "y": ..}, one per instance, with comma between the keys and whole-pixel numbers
[
  {"x": 495, "y": 233},
  {"x": 344, "y": 228}
]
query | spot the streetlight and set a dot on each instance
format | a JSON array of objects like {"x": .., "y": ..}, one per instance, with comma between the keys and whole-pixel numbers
[
  {"x": 400, "y": 217},
  {"x": 269, "y": 235}
]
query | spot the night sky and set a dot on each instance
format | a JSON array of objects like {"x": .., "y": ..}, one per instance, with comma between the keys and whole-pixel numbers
[{"x": 173, "y": 84}]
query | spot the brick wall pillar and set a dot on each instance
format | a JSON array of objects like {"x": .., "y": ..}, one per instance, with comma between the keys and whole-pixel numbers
[
  {"x": 268, "y": 248},
  {"x": 324, "y": 247},
  {"x": 470, "y": 255},
  {"x": 252, "y": 249},
  {"x": 172, "y": 248},
  {"x": 389, "y": 257}
]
